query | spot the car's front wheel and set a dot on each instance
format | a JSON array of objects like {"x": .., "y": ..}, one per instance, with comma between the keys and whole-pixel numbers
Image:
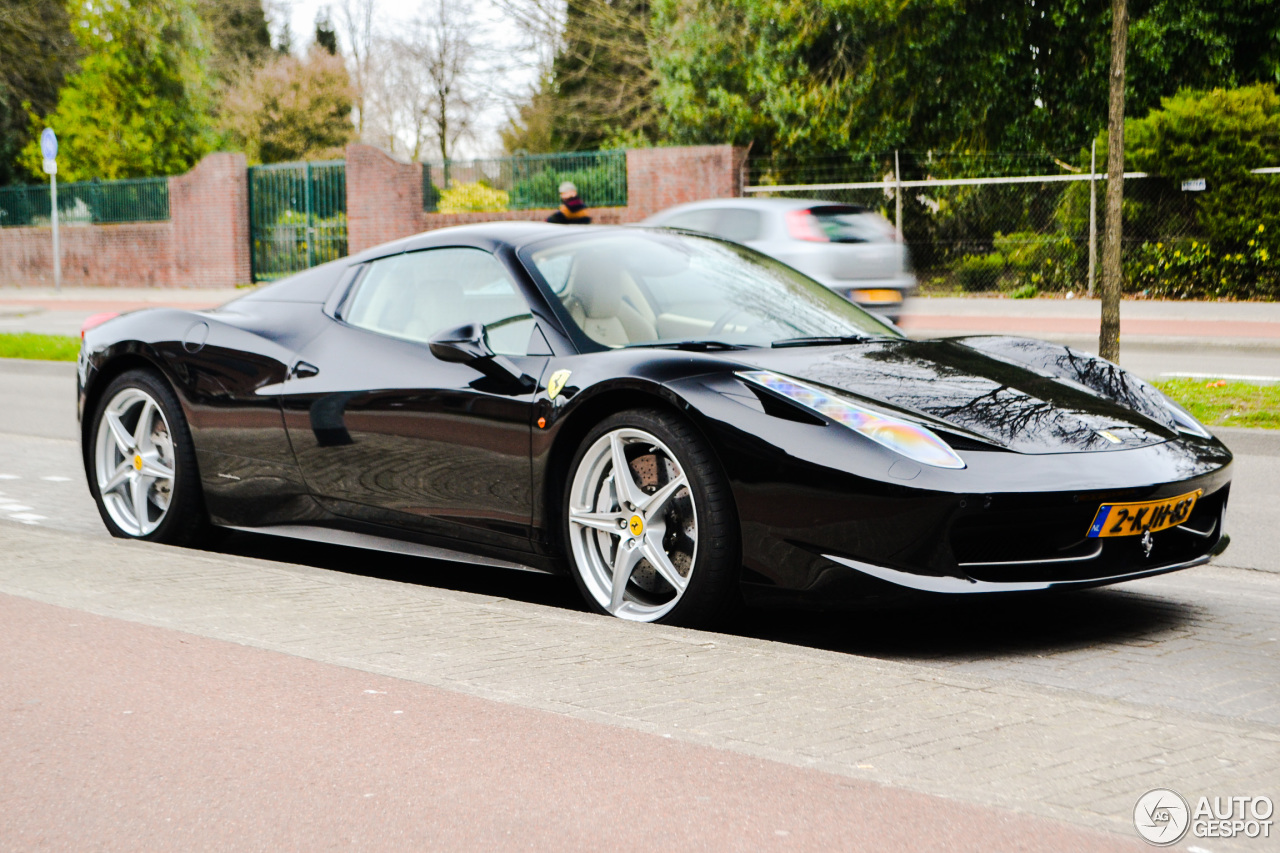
[
  {"x": 651, "y": 527},
  {"x": 142, "y": 469}
]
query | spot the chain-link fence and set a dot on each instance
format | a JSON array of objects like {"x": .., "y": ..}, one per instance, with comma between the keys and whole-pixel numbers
[
  {"x": 524, "y": 182},
  {"x": 88, "y": 202},
  {"x": 1022, "y": 224}
]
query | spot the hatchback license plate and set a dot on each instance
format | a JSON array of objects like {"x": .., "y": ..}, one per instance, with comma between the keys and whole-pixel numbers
[
  {"x": 1134, "y": 519},
  {"x": 876, "y": 297}
]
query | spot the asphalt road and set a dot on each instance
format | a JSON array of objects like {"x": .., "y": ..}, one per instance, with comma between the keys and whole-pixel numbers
[{"x": 42, "y": 483}]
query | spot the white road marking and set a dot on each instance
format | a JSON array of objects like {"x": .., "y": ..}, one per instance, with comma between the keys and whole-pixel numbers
[
  {"x": 56, "y": 479},
  {"x": 1237, "y": 377},
  {"x": 9, "y": 477},
  {"x": 28, "y": 517}
]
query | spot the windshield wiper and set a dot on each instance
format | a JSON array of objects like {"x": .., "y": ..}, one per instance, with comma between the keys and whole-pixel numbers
[
  {"x": 820, "y": 341},
  {"x": 693, "y": 346}
]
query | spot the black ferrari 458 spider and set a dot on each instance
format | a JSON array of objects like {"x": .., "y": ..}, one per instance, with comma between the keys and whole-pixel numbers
[{"x": 674, "y": 420}]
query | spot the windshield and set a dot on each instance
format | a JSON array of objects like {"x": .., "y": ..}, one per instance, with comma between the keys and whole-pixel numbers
[{"x": 628, "y": 288}]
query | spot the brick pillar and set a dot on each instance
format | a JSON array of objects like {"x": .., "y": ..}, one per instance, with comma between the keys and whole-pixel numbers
[
  {"x": 209, "y": 210},
  {"x": 658, "y": 178},
  {"x": 384, "y": 198}
]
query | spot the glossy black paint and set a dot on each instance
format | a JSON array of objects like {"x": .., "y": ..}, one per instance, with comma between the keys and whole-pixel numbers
[{"x": 300, "y": 418}]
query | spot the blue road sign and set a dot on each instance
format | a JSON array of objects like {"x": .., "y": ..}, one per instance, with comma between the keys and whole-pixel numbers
[{"x": 49, "y": 144}]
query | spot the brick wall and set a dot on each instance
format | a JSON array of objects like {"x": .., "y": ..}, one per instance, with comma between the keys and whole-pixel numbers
[
  {"x": 384, "y": 196},
  {"x": 138, "y": 254},
  {"x": 209, "y": 212},
  {"x": 205, "y": 243},
  {"x": 658, "y": 178}
]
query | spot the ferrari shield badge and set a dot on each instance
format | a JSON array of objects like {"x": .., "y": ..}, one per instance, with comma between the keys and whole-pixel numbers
[{"x": 556, "y": 383}]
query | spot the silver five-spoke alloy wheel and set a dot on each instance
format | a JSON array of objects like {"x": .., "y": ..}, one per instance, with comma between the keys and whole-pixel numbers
[
  {"x": 633, "y": 525},
  {"x": 134, "y": 462}
]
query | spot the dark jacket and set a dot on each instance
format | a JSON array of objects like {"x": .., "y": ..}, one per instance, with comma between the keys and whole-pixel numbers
[{"x": 573, "y": 211}]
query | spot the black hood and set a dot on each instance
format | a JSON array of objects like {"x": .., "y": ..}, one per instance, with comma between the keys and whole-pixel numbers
[{"x": 988, "y": 394}]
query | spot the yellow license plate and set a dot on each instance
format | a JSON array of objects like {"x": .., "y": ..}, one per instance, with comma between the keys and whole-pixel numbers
[
  {"x": 1137, "y": 518},
  {"x": 876, "y": 296}
]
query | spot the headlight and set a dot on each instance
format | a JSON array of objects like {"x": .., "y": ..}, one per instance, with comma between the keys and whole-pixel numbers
[
  {"x": 1184, "y": 420},
  {"x": 910, "y": 440}
]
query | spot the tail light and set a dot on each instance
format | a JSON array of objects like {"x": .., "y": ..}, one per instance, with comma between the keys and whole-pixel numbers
[
  {"x": 96, "y": 320},
  {"x": 803, "y": 225}
]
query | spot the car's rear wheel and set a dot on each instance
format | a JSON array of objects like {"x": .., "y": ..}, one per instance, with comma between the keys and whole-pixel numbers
[
  {"x": 142, "y": 464},
  {"x": 651, "y": 528}
]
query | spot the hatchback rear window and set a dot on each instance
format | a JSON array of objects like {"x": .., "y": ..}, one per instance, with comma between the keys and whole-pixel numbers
[{"x": 847, "y": 224}]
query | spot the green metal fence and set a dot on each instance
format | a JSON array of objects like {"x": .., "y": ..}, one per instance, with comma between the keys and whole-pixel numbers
[
  {"x": 297, "y": 216},
  {"x": 133, "y": 200},
  {"x": 524, "y": 182}
]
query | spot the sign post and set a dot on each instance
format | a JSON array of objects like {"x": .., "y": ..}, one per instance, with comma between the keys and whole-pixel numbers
[{"x": 49, "y": 148}]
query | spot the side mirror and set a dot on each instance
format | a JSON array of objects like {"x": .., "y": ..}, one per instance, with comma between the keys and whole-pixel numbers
[{"x": 469, "y": 345}]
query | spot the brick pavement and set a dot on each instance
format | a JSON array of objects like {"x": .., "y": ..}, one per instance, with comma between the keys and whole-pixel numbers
[{"x": 1039, "y": 749}]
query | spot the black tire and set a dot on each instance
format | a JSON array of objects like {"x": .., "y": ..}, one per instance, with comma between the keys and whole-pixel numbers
[
  {"x": 712, "y": 592},
  {"x": 185, "y": 521}
]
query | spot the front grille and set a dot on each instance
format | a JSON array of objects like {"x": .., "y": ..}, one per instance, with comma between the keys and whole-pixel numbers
[{"x": 1029, "y": 537}]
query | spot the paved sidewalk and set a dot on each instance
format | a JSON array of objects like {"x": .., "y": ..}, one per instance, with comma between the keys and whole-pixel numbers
[
  {"x": 166, "y": 741},
  {"x": 46, "y": 311},
  {"x": 1256, "y": 323},
  {"x": 1053, "y": 753}
]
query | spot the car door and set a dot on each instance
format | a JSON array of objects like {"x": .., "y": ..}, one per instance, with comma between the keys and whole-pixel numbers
[{"x": 386, "y": 432}]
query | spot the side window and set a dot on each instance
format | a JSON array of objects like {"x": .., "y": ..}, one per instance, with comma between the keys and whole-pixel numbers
[
  {"x": 417, "y": 294},
  {"x": 738, "y": 224},
  {"x": 703, "y": 220}
]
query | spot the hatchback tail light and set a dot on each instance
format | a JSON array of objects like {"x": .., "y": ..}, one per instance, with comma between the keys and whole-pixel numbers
[{"x": 803, "y": 225}]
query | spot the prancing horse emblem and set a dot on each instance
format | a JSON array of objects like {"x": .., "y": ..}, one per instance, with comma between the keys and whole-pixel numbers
[
  {"x": 556, "y": 383},
  {"x": 1148, "y": 542}
]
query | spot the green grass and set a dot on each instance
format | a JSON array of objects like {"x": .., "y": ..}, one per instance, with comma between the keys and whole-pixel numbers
[
  {"x": 1235, "y": 404},
  {"x": 47, "y": 347}
]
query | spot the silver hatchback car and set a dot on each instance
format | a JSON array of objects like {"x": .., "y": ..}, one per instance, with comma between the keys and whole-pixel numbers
[{"x": 852, "y": 250}]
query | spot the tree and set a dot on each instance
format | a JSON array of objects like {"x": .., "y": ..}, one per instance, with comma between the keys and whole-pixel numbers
[
  {"x": 356, "y": 19},
  {"x": 326, "y": 35},
  {"x": 840, "y": 76},
  {"x": 238, "y": 36},
  {"x": 1221, "y": 136},
  {"x": 292, "y": 109},
  {"x": 39, "y": 51},
  {"x": 399, "y": 99},
  {"x": 443, "y": 43},
  {"x": 1112, "y": 274},
  {"x": 597, "y": 89},
  {"x": 140, "y": 105}
]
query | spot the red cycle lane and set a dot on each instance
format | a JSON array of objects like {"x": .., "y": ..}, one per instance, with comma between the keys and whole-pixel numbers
[{"x": 119, "y": 736}]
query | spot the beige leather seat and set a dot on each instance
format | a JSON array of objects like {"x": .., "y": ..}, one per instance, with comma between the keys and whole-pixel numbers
[{"x": 607, "y": 304}]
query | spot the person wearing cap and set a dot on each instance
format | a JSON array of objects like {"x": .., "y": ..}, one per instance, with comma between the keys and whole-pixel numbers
[{"x": 573, "y": 211}]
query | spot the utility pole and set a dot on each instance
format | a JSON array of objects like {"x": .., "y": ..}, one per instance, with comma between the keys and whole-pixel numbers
[{"x": 1109, "y": 336}]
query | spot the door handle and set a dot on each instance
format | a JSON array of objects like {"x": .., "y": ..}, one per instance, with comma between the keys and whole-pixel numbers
[{"x": 304, "y": 370}]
